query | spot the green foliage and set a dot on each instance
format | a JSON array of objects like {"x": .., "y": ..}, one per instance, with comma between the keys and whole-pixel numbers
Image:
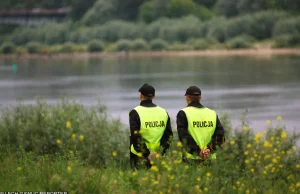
[
  {"x": 65, "y": 127},
  {"x": 200, "y": 44},
  {"x": 101, "y": 12},
  {"x": 33, "y": 47},
  {"x": 173, "y": 30},
  {"x": 139, "y": 45},
  {"x": 95, "y": 46},
  {"x": 158, "y": 45},
  {"x": 52, "y": 146},
  {"x": 146, "y": 12},
  {"x": 239, "y": 42},
  {"x": 227, "y": 8},
  {"x": 123, "y": 45},
  {"x": 259, "y": 25},
  {"x": 180, "y": 8},
  {"x": 8, "y": 48},
  {"x": 287, "y": 26},
  {"x": 80, "y": 7},
  {"x": 67, "y": 47},
  {"x": 288, "y": 41}
]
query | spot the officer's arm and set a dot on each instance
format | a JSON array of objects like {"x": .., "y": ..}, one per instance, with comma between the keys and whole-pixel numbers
[
  {"x": 167, "y": 137},
  {"x": 218, "y": 137},
  {"x": 136, "y": 138},
  {"x": 184, "y": 136}
]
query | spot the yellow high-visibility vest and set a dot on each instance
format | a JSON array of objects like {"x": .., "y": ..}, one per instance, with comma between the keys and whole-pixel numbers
[
  {"x": 201, "y": 126},
  {"x": 153, "y": 125}
]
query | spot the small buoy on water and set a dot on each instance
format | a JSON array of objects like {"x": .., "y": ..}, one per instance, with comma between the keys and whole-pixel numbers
[{"x": 14, "y": 68}]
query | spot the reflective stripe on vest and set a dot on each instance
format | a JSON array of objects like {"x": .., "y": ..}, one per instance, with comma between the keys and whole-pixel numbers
[
  {"x": 201, "y": 126},
  {"x": 153, "y": 125}
]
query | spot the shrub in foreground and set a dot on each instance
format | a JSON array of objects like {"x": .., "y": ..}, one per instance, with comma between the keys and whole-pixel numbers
[
  {"x": 288, "y": 41},
  {"x": 8, "y": 48},
  {"x": 158, "y": 45},
  {"x": 238, "y": 42},
  {"x": 123, "y": 45},
  {"x": 95, "y": 46},
  {"x": 139, "y": 45},
  {"x": 33, "y": 47}
]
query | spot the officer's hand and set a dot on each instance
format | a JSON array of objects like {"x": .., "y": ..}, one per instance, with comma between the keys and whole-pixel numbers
[
  {"x": 150, "y": 155},
  {"x": 204, "y": 153}
]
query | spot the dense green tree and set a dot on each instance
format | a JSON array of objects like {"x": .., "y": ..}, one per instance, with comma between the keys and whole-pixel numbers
[
  {"x": 206, "y": 3},
  {"x": 227, "y": 8},
  {"x": 101, "y": 12},
  {"x": 80, "y": 7},
  {"x": 128, "y": 9}
]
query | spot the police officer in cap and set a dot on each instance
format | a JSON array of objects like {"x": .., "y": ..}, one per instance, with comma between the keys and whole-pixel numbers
[
  {"x": 199, "y": 128},
  {"x": 150, "y": 129}
]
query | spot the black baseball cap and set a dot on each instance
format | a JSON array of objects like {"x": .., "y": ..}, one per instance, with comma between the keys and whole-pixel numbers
[
  {"x": 193, "y": 91},
  {"x": 147, "y": 90}
]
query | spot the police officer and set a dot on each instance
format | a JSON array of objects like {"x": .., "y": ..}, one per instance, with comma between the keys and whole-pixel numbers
[
  {"x": 150, "y": 129},
  {"x": 199, "y": 128}
]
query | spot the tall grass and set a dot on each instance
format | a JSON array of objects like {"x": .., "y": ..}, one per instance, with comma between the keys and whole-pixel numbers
[{"x": 92, "y": 156}]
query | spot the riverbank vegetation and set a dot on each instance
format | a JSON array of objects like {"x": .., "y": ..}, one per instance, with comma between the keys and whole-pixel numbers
[
  {"x": 142, "y": 25},
  {"x": 67, "y": 147}
]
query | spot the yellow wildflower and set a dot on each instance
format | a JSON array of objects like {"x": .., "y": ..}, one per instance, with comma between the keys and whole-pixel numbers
[
  {"x": 69, "y": 169},
  {"x": 257, "y": 137},
  {"x": 157, "y": 155},
  {"x": 114, "y": 154},
  {"x": 177, "y": 185},
  {"x": 59, "y": 142},
  {"x": 245, "y": 128},
  {"x": 268, "y": 122},
  {"x": 280, "y": 166},
  {"x": 68, "y": 124},
  {"x": 267, "y": 144},
  {"x": 273, "y": 170},
  {"x": 238, "y": 183},
  {"x": 298, "y": 184},
  {"x": 154, "y": 168},
  {"x": 246, "y": 161},
  {"x": 252, "y": 169},
  {"x": 208, "y": 174},
  {"x": 171, "y": 177},
  {"x": 294, "y": 148},
  {"x": 179, "y": 144},
  {"x": 81, "y": 137},
  {"x": 249, "y": 145},
  {"x": 297, "y": 166},
  {"x": 135, "y": 132},
  {"x": 232, "y": 142},
  {"x": 279, "y": 118},
  {"x": 234, "y": 187},
  {"x": 197, "y": 187},
  {"x": 283, "y": 135},
  {"x": 272, "y": 138},
  {"x": 133, "y": 173},
  {"x": 73, "y": 136},
  {"x": 246, "y": 153},
  {"x": 19, "y": 169},
  {"x": 275, "y": 150},
  {"x": 155, "y": 182},
  {"x": 115, "y": 182},
  {"x": 198, "y": 179},
  {"x": 274, "y": 160},
  {"x": 247, "y": 191},
  {"x": 205, "y": 189},
  {"x": 163, "y": 162}
]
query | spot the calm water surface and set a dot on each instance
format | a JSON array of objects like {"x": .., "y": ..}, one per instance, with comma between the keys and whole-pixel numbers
[{"x": 266, "y": 86}]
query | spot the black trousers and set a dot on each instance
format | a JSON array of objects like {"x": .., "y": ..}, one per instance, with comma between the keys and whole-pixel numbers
[{"x": 137, "y": 162}]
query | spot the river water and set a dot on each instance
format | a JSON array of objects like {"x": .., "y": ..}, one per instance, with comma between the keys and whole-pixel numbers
[{"x": 266, "y": 86}]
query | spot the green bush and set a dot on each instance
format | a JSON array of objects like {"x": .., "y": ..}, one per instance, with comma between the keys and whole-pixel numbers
[
  {"x": 258, "y": 25},
  {"x": 95, "y": 46},
  {"x": 239, "y": 42},
  {"x": 8, "y": 48},
  {"x": 123, "y": 45},
  {"x": 173, "y": 30},
  {"x": 201, "y": 44},
  {"x": 287, "y": 26},
  {"x": 139, "y": 45},
  {"x": 64, "y": 127},
  {"x": 68, "y": 47},
  {"x": 33, "y": 47},
  {"x": 158, "y": 45},
  {"x": 287, "y": 41}
]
